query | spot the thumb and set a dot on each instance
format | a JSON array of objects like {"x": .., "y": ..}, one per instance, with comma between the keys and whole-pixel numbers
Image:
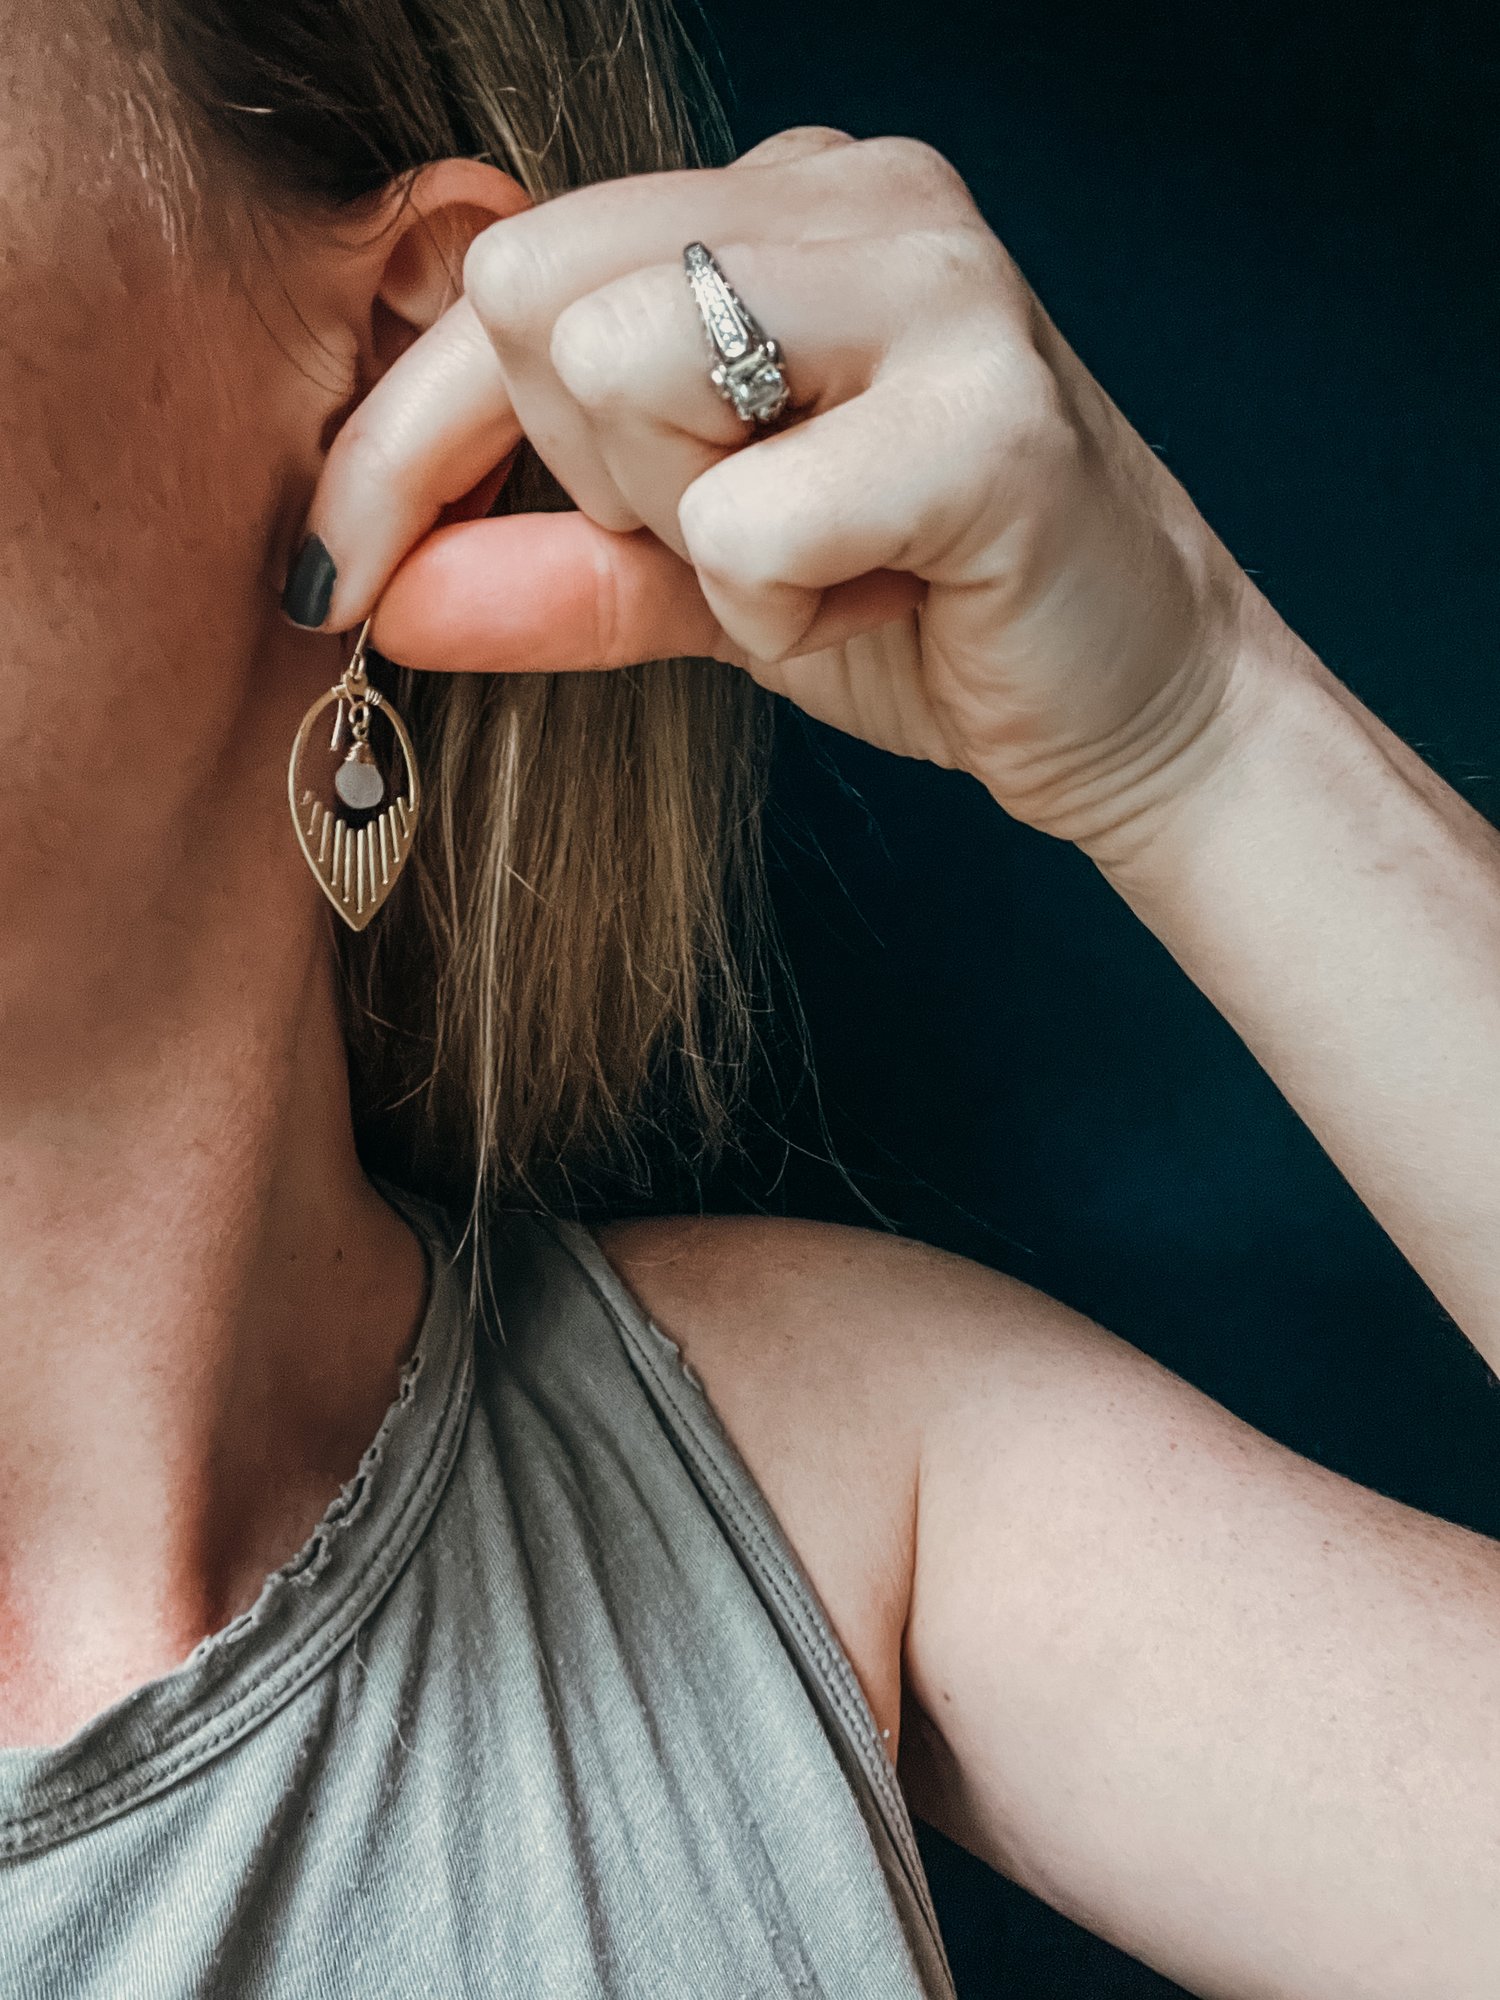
[
  {"x": 543, "y": 593},
  {"x": 556, "y": 593}
]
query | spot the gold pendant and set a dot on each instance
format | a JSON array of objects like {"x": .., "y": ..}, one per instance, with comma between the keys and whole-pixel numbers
[{"x": 358, "y": 844}]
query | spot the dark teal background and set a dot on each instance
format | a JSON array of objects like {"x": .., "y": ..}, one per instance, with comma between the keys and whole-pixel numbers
[{"x": 1271, "y": 232}]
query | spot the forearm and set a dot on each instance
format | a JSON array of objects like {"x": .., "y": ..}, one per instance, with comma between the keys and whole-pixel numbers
[{"x": 1340, "y": 905}]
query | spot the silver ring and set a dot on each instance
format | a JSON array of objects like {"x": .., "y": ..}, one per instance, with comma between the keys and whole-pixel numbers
[{"x": 747, "y": 370}]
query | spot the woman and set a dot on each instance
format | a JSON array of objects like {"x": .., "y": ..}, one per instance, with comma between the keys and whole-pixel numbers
[{"x": 670, "y": 1561}]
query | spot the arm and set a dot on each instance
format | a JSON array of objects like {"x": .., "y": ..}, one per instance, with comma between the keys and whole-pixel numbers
[
  {"x": 1340, "y": 905},
  {"x": 1216, "y": 1703}
]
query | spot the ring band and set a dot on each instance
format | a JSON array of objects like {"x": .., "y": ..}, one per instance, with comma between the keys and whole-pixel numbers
[{"x": 747, "y": 370}]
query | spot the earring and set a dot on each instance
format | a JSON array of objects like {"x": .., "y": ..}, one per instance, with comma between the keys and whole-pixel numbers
[{"x": 358, "y": 844}]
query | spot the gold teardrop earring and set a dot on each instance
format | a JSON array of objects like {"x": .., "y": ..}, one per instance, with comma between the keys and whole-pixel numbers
[{"x": 355, "y": 815}]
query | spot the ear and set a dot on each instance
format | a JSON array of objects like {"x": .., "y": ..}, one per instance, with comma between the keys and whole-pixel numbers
[
  {"x": 343, "y": 304},
  {"x": 433, "y": 223}
]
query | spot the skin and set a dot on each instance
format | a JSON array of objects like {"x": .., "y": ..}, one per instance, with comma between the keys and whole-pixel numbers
[
  {"x": 1219, "y": 1704},
  {"x": 206, "y": 1304},
  {"x": 1215, "y": 1702}
]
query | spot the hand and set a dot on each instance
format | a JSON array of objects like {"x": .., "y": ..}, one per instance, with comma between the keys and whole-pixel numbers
[{"x": 957, "y": 548}]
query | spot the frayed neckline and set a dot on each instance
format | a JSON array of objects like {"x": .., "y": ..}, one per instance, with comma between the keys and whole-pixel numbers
[
  {"x": 346, "y": 1507},
  {"x": 305, "y": 1611}
]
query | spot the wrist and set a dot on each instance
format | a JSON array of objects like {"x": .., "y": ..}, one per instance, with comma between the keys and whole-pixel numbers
[{"x": 1249, "y": 694}]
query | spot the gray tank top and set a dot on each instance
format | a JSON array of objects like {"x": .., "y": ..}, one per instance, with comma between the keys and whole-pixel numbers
[{"x": 544, "y": 1707}]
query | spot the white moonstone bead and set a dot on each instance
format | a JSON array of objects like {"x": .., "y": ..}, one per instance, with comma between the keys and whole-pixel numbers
[{"x": 359, "y": 785}]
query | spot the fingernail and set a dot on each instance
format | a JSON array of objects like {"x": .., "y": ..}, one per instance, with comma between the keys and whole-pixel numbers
[{"x": 309, "y": 586}]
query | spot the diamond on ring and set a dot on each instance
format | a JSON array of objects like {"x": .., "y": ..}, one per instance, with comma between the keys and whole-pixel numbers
[{"x": 747, "y": 370}]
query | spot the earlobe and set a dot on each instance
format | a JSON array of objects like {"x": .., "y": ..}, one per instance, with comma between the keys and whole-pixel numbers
[{"x": 447, "y": 205}]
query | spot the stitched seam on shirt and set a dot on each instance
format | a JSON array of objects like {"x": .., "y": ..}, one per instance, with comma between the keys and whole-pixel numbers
[
  {"x": 785, "y": 1587},
  {"x": 114, "y": 1793},
  {"x": 835, "y": 1671}
]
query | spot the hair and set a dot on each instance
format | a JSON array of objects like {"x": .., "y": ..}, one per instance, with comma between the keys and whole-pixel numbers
[{"x": 567, "y": 974}]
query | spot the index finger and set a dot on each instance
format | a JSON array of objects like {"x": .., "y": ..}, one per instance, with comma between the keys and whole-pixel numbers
[
  {"x": 442, "y": 416},
  {"x": 434, "y": 425}
]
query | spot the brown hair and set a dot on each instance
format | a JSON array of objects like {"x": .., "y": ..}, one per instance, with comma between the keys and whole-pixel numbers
[{"x": 571, "y": 960}]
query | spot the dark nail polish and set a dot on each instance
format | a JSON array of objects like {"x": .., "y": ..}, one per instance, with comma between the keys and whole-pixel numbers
[{"x": 309, "y": 587}]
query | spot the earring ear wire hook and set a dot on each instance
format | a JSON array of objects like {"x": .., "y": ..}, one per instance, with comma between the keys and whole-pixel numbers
[{"x": 357, "y": 663}]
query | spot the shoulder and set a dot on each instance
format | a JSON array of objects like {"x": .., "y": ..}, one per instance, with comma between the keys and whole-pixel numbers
[
  {"x": 825, "y": 1351},
  {"x": 787, "y": 1315},
  {"x": 784, "y": 1291}
]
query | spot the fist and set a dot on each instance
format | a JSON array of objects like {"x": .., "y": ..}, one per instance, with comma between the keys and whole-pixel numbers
[{"x": 952, "y": 544}]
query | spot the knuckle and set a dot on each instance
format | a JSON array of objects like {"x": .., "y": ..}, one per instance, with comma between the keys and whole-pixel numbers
[
  {"x": 957, "y": 258},
  {"x": 504, "y": 275},
  {"x": 798, "y": 142},
  {"x": 583, "y": 349},
  {"x": 706, "y": 528},
  {"x": 1034, "y": 430},
  {"x": 911, "y": 168},
  {"x": 1033, "y": 403},
  {"x": 998, "y": 403},
  {"x": 721, "y": 534},
  {"x": 819, "y": 136},
  {"x": 591, "y": 339},
  {"x": 480, "y": 271}
]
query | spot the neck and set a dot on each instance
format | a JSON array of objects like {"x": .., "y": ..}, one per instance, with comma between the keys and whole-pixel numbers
[{"x": 205, "y": 1305}]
